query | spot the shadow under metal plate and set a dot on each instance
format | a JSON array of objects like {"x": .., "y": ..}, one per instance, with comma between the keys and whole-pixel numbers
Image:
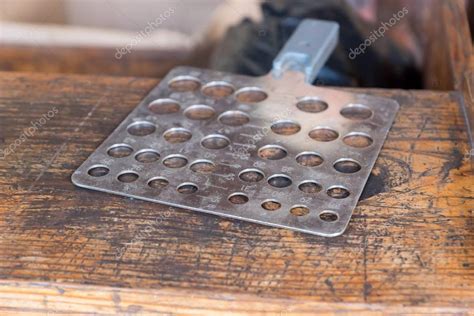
[{"x": 272, "y": 150}]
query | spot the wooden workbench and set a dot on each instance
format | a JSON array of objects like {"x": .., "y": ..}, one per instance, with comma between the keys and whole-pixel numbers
[{"x": 409, "y": 246}]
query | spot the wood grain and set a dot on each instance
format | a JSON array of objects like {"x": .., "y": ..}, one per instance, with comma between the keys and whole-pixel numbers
[
  {"x": 88, "y": 60},
  {"x": 65, "y": 299},
  {"x": 467, "y": 89},
  {"x": 409, "y": 246},
  {"x": 442, "y": 31}
]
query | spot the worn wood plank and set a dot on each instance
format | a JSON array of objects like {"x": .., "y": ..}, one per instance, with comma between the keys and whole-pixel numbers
[
  {"x": 441, "y": 42},
  {"x": 60, "y": 298},
  {"x": 410, "y": 241},
  {"x": 89, "y": 60}
]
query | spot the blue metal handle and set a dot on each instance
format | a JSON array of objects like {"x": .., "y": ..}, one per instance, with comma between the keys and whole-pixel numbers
[{"x": 308, "y": 49}]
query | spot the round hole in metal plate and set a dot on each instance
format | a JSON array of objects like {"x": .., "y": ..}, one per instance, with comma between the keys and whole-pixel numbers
[
  {"x": 357, "y": 140},
  {"x": 175, "y": 161},
  {"x": 285, "y": 127},
  {"x": 312, "y": 105},
  {"x": 203, "y": 166},
  {"x": 177, "y": 135},
  {"x": 147, "y": 156},
  {"x": 199, "y": 112},
  {"x": 271, "y": 205},
  {"x": 280, "y": 181},
  {"x": 119, "y": 151},
  {"x": 309, "y": 159},
  {"x": 356, "y": 112},
  {"x": 272, "y": 152},
  {"x": 323, "y": 134},
  {"x": 238, "y": 198},
  {"x": 345, "y": 165},
  {"x": 251, "y": 175},
  {"x": 127, "y": 177},
  {"x": 299, "y": 210},
  {"x": 141, "y": 128},
  {"x": 158, "y": 182},
  {"x": 234, "y": 118},
  {"x": 215, "y": 141},
  {"x": 310, "y": 187},
  {"x": 98, "y": 171},
  {"x": 164, "y": 106},
  {"x": 187, "y": 188},
  {"x": 338, "y": 192},
  {"x": 184, "y": 84},
  {"x": 218, "y": 89},
  {"x": 328, "y": 216},
  {"x": 250, "y": 95}
]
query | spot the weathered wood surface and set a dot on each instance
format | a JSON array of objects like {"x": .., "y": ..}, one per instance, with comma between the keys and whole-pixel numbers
[
  {"x": 409, "y": 246},
  {"x": 467, "y": 89},
  {"x": 88, "y": 60},
  {"x": 446, "y": 45}
]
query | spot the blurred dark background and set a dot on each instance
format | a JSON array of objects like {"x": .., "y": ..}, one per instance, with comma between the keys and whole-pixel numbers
[{"x": 149, "y": 37}]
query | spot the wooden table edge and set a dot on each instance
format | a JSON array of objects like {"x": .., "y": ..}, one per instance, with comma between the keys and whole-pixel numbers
[{"x": 18, "y": 296}]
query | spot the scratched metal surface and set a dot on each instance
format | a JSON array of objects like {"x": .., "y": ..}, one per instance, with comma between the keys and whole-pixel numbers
[{"x": 259, "y": 175}]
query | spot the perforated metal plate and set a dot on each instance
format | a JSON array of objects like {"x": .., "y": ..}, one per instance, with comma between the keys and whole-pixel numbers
[{"x": 275, "y": 152}]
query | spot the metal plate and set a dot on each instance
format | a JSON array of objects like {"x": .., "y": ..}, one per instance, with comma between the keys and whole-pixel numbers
[{"x": 308, "y": 150}]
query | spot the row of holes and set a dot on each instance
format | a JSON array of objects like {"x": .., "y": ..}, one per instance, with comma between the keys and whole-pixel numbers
[
  {"x": 238, "y": 118},
  {"x": 274, "y": 205},
  {"x": 271, "y": 152},
  {"x": 222, "y": 89},
  {"x": 235, "y": 198},
  {"x": 322, "y": 134},
  {"x": 247, "y": 175},
  {"x": 180, "y": 135},
  {"x": 217, "y": 89},
  {"x": 284, "y": 181},
  {"x": 199, "y": 112}
]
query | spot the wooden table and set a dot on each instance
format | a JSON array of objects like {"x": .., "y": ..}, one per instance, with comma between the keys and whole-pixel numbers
[{"x": 409, "y": 246}]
